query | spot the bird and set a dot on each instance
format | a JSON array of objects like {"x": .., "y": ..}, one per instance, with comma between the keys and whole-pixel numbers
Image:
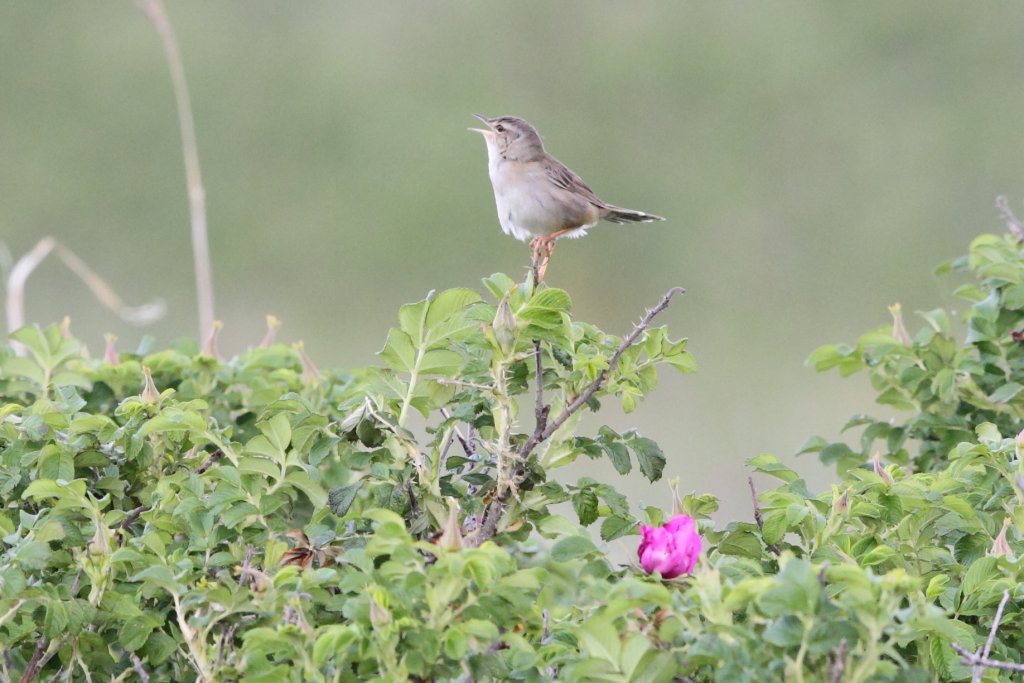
[{"x": 539, "y": 197}]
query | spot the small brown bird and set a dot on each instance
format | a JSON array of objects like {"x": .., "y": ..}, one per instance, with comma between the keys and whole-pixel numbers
[{"x": 537, "y": 195}]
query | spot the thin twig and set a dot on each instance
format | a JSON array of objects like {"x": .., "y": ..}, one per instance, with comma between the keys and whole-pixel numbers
[
  {"x": 838, "y": 666},
  {"x": 27, "y": 264},
  {"x": 974, "y": 659},
  {"x": 196, "y": 194},
  {"x": 137, "y": 665},
  {"x": 757, "y": 515},
  {"x": 1012, "y": 224},
  {"x": 227, "y": 638},
  {"x": 208, "y": 463},
  {"x": 129, "y": 519},
  {"x": 541, "y": 435},
  {"x": 544, "y": 429},
  {"x": 467, "y": 448},
  {"x": 33, "y": 664},
  {"x": 541, "y": 410},
  {"x": 16, "y": 281},
  {"x": 413, "y": 507},
  {"x": 979, "y": 670}
]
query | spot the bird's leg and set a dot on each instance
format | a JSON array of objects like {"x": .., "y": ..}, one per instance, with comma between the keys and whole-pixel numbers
[
  {"x": 548, "y": 244},
  {"x": 536, "y": 244}
]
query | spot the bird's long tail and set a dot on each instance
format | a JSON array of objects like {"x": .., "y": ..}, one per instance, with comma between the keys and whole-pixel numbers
[{"x": 619, "y": 215}]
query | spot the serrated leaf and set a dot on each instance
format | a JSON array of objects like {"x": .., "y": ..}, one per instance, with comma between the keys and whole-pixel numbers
[
  {"x": 339, "y": 500},
  {"x": 584, "y": 502},
  {"x": 648, "y": 456},
  {"x": 615, "y": 527},
  {"x": 742, "y": 544},
  {"x": 572, "y": 547}
]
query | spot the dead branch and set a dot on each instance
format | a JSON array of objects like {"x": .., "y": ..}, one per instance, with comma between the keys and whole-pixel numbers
[
  {"x": 154, "y": 9},
  {"x": 27, "y": 264}
]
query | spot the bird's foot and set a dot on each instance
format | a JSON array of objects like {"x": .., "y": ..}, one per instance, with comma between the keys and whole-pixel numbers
[{"x": 546, "y": 243}]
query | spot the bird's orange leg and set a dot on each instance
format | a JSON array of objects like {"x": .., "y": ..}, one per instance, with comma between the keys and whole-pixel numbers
[{"x": 548, "y": 244}]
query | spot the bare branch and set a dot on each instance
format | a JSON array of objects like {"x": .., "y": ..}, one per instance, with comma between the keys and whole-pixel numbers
[
  {"x": 16, "y": 281},
  {"x": 129, "y": 519},
  {"x": 838, "y": 665},
  {"x": 544, "y": 429},
  {"x": 27, "y": 264},
  {"x": 137, "y": 665},
  {"x": 979, "y": 670},
  {"x": 541, "y": 411},
  {"x": 757, "y": 515},
  {"x": 210, "y": 460},
  {"x": 196, "y": 194},
  {"x": 544, "y": 433},
  {"x": 36, "y": 662},
  {"x": 975, "y": 659}
]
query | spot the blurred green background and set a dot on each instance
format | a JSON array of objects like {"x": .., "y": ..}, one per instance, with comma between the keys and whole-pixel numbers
[{"x": 815, "y": 161}]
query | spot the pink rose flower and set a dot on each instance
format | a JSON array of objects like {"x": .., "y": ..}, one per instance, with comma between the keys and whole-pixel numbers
[{"x": 671, "y": 549}]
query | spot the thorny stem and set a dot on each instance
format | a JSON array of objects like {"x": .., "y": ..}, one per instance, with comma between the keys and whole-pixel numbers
[
  {"x": 544, "y": 428},
  {"x": 979, "y": 660},
  {"x": 36, "y": 661},
  {"x": 974, "y": 659}
]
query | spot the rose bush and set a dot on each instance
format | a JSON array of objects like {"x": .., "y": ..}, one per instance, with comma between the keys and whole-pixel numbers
[{"x": 253, "y": 519}]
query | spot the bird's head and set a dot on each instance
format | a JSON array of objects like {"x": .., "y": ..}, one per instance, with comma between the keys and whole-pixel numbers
[{"x": 511, "y": 138}]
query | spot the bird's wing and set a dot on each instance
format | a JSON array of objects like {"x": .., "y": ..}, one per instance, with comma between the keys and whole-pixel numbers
[{"x": 561, "y": 176}]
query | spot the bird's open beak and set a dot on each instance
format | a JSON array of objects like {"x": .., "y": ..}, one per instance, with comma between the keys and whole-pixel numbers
[{"x": 485, "y": 133}]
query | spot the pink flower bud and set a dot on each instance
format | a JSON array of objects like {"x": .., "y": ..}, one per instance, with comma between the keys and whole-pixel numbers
[
  {"x": 1000, "y": 546},
  {"x": 876, "y": 463},
  {"x": 671, "y": 549},
  {"x": 210, "y": 347}
]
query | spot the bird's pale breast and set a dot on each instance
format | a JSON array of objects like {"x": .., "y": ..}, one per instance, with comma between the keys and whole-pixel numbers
[{"x": 529, "y": 204}]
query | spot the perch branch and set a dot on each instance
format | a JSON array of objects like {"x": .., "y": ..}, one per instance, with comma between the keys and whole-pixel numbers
[
  {"x": 154, "y": 9},
  {"x": 545, "y": 429},
  {"x": 544, "y": 432}
]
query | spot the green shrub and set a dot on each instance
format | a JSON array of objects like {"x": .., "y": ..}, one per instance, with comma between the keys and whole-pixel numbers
[{"x": 255, "y": 520}]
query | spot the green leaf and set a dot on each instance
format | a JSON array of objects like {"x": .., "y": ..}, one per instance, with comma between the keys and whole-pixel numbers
[
  {"x": 339, "y": 500},
  {"x": 979, "y": 573},
  {"x": 333, "y": 641},
  {"x": 615, "y": 527},
  {"x": 302, "y": 481},
  {"x": 600, "y": 639},
  {"x": 741, "y": 544},
  {"x": 648, "y": 456},
  {"x": 571, "y": 548},
  {"x": 796, "y": 591},
  {"x": 584, "y": 502}
]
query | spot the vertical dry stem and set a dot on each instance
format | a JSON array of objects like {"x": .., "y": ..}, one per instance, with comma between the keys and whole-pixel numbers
[{"x": 196, "y": 195}]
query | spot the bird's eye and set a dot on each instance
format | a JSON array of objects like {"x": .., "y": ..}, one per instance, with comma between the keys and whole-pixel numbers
[{"x": 500, "y": 128}]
